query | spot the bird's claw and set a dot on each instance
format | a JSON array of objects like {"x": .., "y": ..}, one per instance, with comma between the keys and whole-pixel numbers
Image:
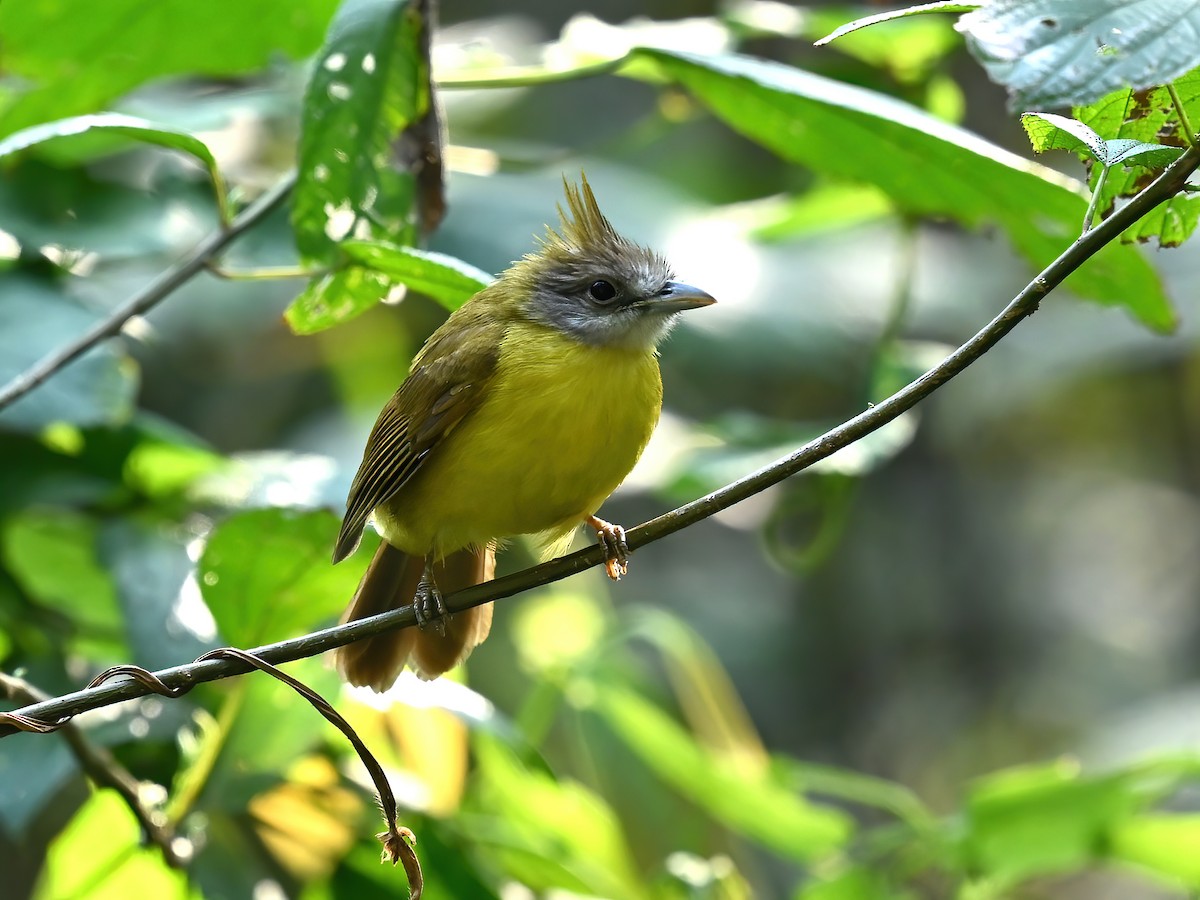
[
  {"x": 616, "y": 550},
  {"x": 428, "y": 606}
]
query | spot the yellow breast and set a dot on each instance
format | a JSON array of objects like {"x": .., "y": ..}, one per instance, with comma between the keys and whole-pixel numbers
[{"x": 561, "y": 426}]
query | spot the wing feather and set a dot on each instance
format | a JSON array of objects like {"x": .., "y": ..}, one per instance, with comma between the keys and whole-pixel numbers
[{"x": 449, "y": 378}]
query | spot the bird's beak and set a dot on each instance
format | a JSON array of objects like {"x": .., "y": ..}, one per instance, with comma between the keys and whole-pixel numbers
[{"x": 677, "y": 296}]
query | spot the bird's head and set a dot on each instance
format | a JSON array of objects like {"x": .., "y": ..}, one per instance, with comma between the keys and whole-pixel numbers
[{"x": 597, "y": 287}]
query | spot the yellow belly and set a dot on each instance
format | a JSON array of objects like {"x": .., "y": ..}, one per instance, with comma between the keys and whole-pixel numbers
[{"x": 561, "y": 426}]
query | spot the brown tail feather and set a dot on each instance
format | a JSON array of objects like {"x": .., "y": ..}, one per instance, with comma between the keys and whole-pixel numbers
[
  {"x": 433, "y": 654},
  {"x": 391, "y": 582}
]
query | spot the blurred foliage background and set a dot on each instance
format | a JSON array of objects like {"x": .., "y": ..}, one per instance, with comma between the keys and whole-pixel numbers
[{"x": 958, "y": 659}]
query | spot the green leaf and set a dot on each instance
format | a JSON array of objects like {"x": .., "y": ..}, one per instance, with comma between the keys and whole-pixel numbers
[
  {"x": 263, "y": 727},
  {"x": 551, "y": 834},
  {"x": 113, "y": 123},
  {"x": 100, "y": 855},
  {"x": 446, "y": 279},
  {"x": 73, "y": 60},
  {"x": 52, "y": 555},
  {"x": 753, "y": 805},
  {"x": 1043, "y": 819},
  {"x": 164, "y": 627},
  {"x": 44, "y": 205},
  {"x": 909, "y": 50},
  {"x": 891, "y": 15},
  {"x": 1050, "y": 132},
  {"x": 1165, "y": 844},
  {"x": 818, "y": 211},
  {"x": 1168, "y": 224},
  {"x": 369, "y": 84},
  {"x": 926, "y": 166},
  {"x": 266, "y": 574},
  {"x": 37, "y": 318},
  {"x": 855, "y": 787},
  {"x": 1122, "y": 152},
  {"x": 1146, "y": 117},
  {"x": 1064, "y": 53},
  {"x": 335, "y": 298},
  {"x": 859, "y": 883},
  {"x": 32, "y": 776}
]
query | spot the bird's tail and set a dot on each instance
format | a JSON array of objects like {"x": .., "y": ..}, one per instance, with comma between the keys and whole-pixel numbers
[{"x": 390, "y": 582}]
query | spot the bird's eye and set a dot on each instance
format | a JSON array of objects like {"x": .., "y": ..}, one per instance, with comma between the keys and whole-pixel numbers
[{"x": 602, "y": 291}]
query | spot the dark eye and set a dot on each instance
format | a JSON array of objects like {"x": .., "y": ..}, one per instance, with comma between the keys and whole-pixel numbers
[{"x": 602, "y": 291}]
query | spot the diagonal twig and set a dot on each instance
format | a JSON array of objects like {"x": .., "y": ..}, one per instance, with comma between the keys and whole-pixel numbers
[{"x": 150, "y": 296}]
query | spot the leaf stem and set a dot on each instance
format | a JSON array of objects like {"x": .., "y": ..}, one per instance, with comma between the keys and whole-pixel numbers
[
  {"x": 1089, "y": 217},
  {"x": 1188, "y": 133}
]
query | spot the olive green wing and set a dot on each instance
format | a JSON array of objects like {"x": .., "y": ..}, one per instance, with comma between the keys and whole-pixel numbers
[{"x": 449, "y": 379}]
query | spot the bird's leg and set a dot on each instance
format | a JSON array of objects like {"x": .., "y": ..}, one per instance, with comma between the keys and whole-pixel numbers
[
  {"x": 616, "y": 551},
  {"x": 431, "y": 612}
]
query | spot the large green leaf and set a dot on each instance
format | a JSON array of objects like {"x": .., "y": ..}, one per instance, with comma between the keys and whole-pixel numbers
[
  {"x": 76, "y": 57},
  {"x": 265, "y": 574},
  {"x": 1064, "y": 52},
  {"x": 758, "y": 807},
  {"x": 1043, "y": 819},
  {"x": 115, "y": 123},
  {"x": 367, "y": 100},
  {"x": 926, "y": 166},
  {"x": 32, "y": 772},
  {"x": 550, "y": 833},
  {"x": 120, "y": 126},
  {"x": 369, "y": 84},
  {"x": 36, "y": 318},
  {"x": 101, "y": 855},
  {"x": 163, "y": 626},
  {"x": 1166, "y": 844},
  {"x": 52, "y": 555}
]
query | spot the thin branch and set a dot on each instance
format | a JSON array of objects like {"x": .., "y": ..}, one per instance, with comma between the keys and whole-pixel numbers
[
  {"x": 100, "y": 766},
  {"x": 150, "y": 296},
  {"x": 1023, "y": 305}
]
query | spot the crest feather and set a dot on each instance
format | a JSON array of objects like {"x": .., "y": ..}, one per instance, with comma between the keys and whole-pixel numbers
[{"x": 584, "y": 226}]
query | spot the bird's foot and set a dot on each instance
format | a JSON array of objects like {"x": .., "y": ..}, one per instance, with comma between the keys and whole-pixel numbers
[
  {"x": 616, "y": 550},
  {"x": 428, "y": 605}
]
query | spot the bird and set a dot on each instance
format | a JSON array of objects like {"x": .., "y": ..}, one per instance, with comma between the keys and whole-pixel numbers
[{"x": 520, "y": 415}]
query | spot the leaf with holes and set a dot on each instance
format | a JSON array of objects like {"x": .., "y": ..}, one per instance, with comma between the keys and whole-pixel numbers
[
  {"x": 1137, "y": 119},
  {"x": 1062, "y": 52},
  {"x": 369, "y": 84}
]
